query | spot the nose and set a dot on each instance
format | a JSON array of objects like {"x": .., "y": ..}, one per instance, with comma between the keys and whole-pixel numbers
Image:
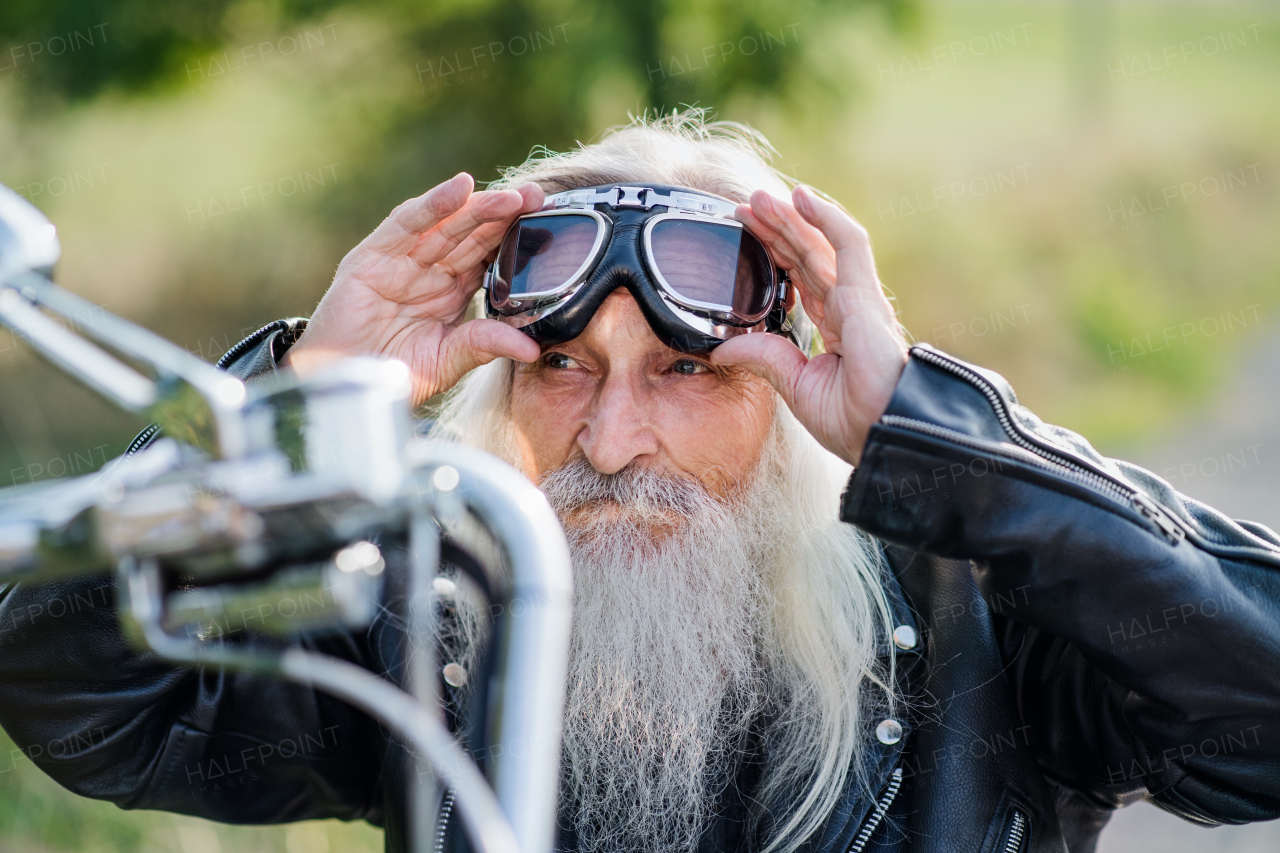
[{"x": 618, "y": 430}]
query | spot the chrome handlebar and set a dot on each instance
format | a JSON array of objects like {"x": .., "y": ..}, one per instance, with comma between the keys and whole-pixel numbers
[{"x": 270, "y": 496}]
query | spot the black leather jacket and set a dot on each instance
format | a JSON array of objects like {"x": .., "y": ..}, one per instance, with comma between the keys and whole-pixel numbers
[{"x": 1086, "y": 638}]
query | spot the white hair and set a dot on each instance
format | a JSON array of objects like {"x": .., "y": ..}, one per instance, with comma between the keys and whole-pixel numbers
[
  {"x": 829, "y": 617},
  {"x": 727, "y": 158}
]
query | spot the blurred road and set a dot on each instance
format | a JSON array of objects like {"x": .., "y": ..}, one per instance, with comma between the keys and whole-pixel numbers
[
  {"x": 1228, "y": 458},
  {"x": 1144, "y": 828}
]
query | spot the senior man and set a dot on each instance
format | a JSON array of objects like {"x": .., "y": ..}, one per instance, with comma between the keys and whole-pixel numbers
[{"x": 991, "y": 640}]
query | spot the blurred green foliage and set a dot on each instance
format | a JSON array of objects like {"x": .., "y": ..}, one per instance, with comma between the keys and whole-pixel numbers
[
  {"x": 494, "y": 74},
  {"x": 391, "y": 96},
  {"x": 149, "y": 44}
]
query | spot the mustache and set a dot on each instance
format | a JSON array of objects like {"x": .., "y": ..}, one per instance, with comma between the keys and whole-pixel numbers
[{"x": 643, "y": 494}]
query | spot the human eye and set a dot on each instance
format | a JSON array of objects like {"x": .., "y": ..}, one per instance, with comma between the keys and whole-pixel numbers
[
  {"x": 558, "y": 361},
  {"x": 689, "y": 367}
]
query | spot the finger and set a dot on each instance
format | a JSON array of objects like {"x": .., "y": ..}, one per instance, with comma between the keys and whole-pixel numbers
[
  {"x": 479, "y": 245},
  {"x": 782, "y": 254},
  {"x": 785, "y": 257},
  {"x": 814, "y": 307},
  {"x": 476, "y": 249},
  {"x": 810, "y": 253},
  {"x": 846, "y": 236},
  {"x": 793, "y": 232},
  {"x": 533, "y": 197},
  {"x": 480, "y": 208},
  {"x": 478, "y": 342},
  {"x": 422, "y": 213},
  {"x": 779, "y": 247},
  {"x": 771, "y": 357},
  {"x": 811, "y": 293},
  {"x": 403, "y": 227},
  {"x": 754, "y": 224}
]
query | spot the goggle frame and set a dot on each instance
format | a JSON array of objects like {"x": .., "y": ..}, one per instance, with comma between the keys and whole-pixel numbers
[{"x": 680, "y": 206}]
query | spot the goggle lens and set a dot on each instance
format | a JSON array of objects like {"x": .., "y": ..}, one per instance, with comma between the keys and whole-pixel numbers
[
  {"x": 717, "y": 266},
  {"x": 541, "y": 254}
]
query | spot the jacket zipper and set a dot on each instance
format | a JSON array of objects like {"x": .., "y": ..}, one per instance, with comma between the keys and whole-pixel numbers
[
  {"x": 1017, "y": 833},
  {"x": 250, "y": 342},
  {"x": 142, "y": 439},
  {"x": 877, "y": 816},
  {"x": 1063, "y": 465},
  {"x": 442, "y": 823}
]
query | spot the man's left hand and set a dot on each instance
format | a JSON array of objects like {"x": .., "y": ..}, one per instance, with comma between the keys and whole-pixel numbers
[{"x": 841, "y": 393}]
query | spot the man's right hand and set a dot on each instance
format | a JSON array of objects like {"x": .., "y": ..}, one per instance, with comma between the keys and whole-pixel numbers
[{"x": 402, "y": 293}]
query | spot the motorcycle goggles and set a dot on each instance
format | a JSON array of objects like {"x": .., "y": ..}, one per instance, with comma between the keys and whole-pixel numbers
[{"x": 697, "y": 274}]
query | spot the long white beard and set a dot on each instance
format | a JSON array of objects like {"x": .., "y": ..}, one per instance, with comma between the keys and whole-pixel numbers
[
  {"x": 670, "y": 660},
  {"x": 775, "y": 567}
]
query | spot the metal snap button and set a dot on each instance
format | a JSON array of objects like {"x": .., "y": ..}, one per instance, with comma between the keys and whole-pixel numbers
[
  {"x": 888, "y": 731},
  {"x": 456, "y": 676},
  {"x": 904, "y": 637}
]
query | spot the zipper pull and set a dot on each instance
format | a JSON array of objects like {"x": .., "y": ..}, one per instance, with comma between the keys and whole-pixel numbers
[{"x": 1148, "y": 509}]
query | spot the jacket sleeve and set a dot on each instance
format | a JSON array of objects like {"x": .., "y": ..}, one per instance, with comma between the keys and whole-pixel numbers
[
  {"x": 256, "y": 355},
  {"x": 113, "y": 723},
  {"x": 1141, "y": 628}
]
